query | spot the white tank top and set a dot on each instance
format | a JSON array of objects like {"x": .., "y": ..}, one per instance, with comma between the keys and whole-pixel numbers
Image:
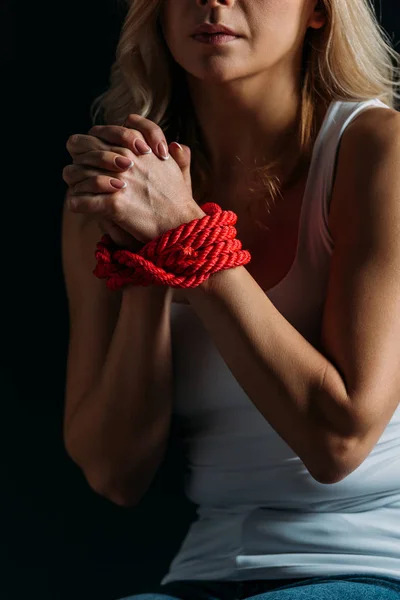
[{"x": 260, "y": 513}]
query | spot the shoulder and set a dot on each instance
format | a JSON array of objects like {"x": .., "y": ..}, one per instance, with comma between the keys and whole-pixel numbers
[
  {"x": 374, "y": 125},
  {"x": 374, "y": 130},
  {"x": 369, "y": 155}
]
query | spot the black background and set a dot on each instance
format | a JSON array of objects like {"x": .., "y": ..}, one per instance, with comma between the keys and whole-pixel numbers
[{"x": 59, "y": 540}]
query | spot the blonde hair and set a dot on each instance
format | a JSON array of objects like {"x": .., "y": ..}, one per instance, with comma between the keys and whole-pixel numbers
[{"x": 351, "y": 58}]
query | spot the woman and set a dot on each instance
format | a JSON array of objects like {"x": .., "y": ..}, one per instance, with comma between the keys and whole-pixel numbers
[{"x": 283, "y": 373}]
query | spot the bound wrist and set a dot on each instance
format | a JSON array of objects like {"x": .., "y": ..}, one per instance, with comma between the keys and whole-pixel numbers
[{"x": 184, "y": 256}]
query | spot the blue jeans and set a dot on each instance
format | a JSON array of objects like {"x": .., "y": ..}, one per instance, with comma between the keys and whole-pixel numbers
[{"x": 336, "y": 587}]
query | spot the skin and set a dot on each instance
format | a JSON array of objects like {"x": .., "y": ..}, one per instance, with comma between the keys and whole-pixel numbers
[
  {"x": 339, "y": 398},
  {"x": 228, "y": 83},
  {"x": 241, "y": 123}
]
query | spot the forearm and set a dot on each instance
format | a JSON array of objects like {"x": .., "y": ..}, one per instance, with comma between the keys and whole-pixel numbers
[
  {"x": 119, "y": 430},
  {"x": 293, "y": 385}
]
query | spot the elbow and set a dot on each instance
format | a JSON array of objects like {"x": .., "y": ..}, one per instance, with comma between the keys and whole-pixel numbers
[
  {"x": 116, "y": 495},
  {"x": 104, "y": 483},
  {"x": 118, "y": 490},
  {"x": 328, "y": 476},
  {"x": 338, "y": 459},
  {"x": 337, "y": 447}
]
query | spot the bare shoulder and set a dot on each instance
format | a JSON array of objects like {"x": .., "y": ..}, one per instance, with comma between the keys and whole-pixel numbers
[
  {"x": 370, "y": 142},
  {"x": 374, "y": 118},
  {"x": 372, "y": 130}
]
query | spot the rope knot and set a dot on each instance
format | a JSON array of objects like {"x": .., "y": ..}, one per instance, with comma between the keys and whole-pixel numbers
[
  {"x": 171, "y": 259},
  {"x": 187, "y": 251}
]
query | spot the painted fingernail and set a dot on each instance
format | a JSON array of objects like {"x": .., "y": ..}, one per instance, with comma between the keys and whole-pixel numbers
[
  {"x": 123, "y": 163},
  {"x": 141, "y": 146},
  {"x": 117, "y": 183},
  {"x": 163, "y": 150}
]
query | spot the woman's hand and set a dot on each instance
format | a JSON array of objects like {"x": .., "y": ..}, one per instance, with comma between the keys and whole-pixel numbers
[
  {"x": 88, "y": 151},
  {"x": 94, "y": 158},
  {"x": 158, "y": 194}
]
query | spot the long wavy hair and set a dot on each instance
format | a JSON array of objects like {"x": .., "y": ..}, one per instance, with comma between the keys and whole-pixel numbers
[{"x": 351, "y": 58}]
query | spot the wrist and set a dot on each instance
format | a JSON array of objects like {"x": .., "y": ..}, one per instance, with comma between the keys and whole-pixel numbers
[
  {"x": 194, "y": 212},
  {"x": 131, "y": 292},
  {"x": 151, "y": 298},
  {"x": 186, "y": 255}
]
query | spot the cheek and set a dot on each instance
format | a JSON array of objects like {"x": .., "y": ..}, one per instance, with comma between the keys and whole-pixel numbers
[
  {"x": 276, "y": 16},
  {"x": 276, "y": 26},
  {"x": 171, "y": 25}
]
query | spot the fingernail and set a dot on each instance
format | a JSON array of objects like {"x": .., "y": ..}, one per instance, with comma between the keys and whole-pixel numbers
[
  {"x": 117, "y": 183},
  {"x": 141, "y": 146},
  {"x": 123, "y": 163},
  {"x": 163, "y": 150},
  {"x": 179, "y": 146}
]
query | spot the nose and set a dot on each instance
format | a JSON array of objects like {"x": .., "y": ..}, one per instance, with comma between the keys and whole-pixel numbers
[{"x": 215, "y": 3}]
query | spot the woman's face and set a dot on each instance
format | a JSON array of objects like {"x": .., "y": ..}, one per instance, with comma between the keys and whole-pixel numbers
[{"x": 271, "y": 31}]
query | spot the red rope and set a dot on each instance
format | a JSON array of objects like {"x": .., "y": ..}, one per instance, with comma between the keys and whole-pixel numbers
[{"x": 181, "y": 257}]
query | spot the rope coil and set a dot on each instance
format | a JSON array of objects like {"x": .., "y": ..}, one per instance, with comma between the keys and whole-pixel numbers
[{"x": 183, "y": 257}]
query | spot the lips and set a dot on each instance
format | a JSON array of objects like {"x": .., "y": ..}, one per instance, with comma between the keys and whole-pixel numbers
[{"x": 207, "y": 28}]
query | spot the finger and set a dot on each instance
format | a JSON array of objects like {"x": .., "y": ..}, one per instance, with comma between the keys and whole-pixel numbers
[
  {"x": 135, "y": 126},
  {"x": 124, "y": 136},
  {"x": 116, "y": 135},
  {"x": 152, "y": 133},
  {"x": 98, "y": 184},
  {"x": 182, "y": 155},
  {"x": 103, "y": 159},
  {"x": 73, "y": 174},
  {"x": 102, "y": 205},
  {"x": 78, "y": 144}
]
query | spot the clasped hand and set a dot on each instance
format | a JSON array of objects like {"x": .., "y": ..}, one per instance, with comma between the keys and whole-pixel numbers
[{"x": 158, "y": 191}]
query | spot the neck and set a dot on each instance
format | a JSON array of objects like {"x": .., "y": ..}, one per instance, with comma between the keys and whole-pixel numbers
[{"x": 247, "y": 123}]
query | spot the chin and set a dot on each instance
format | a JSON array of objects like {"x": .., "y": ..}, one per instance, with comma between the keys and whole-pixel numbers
[
  {"x": 215, "y": 70},
  {"x": 214, "y": 77},
  {"x": 216, "y": 67}
]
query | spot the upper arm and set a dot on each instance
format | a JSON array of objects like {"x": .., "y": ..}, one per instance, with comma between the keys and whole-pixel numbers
[
  {"x": 93, "y": 309},
  {"x": 361, "y": 320}
]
